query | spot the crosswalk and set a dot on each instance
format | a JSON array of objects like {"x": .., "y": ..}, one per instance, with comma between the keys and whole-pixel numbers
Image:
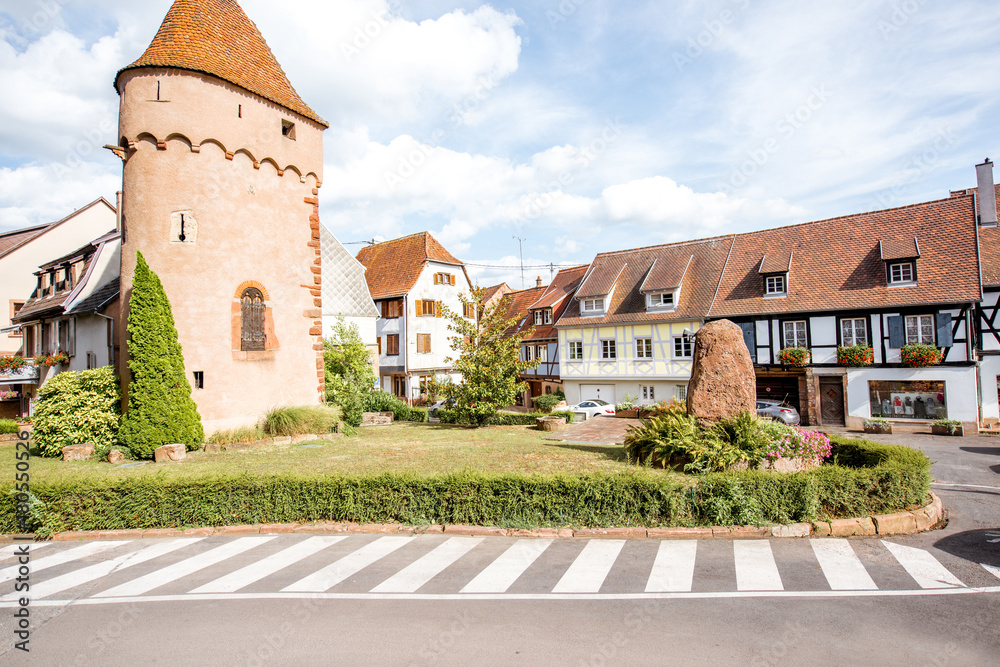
[{"x": 475, "y": 566}]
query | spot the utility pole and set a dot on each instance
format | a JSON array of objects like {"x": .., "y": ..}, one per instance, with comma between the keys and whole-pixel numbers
[
  {"x": 520, "y": 251},
  {"x": 552, "y": 272}
]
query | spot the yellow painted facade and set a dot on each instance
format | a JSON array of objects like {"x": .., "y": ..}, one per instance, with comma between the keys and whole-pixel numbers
[{"x": 626, "y": 364}]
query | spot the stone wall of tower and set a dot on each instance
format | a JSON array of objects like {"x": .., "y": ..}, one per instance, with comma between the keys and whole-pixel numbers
[{"x": 226, "y": 164}]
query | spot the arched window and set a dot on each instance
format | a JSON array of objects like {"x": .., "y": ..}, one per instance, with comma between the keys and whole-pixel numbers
[{"x": 252, "y": 320}]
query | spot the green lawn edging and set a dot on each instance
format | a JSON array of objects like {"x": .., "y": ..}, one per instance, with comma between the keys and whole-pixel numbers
[{"x": 871, "y": 478}]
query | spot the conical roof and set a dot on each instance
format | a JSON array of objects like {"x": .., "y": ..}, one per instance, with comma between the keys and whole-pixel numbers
[{"x": 216, "y": 37}]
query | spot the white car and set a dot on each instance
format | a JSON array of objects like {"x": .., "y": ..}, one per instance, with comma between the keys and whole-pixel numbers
[{"x": 593, "y": 407}]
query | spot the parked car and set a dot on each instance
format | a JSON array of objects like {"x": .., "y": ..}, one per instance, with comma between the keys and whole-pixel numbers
[
  {"x": 778, "y": 411},
  {"x": 444, "y": 403},
  {"x": 593, "y": 407}
]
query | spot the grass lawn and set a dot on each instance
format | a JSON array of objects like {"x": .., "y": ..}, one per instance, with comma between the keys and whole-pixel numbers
[{"x": 420, "y": 448}]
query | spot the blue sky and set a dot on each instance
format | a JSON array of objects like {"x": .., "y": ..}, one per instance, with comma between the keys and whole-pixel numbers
[{"x": 578, "y": 125}]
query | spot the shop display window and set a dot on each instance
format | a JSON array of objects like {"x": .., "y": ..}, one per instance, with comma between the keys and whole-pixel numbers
[{"x": 908, "y": 400}]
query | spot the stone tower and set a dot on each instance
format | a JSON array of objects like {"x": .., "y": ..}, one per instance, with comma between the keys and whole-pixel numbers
[{"x": 222, "y": 167}]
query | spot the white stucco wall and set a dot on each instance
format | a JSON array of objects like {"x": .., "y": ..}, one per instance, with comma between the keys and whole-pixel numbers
[
  {"x": 437, "y": 327},
  {"x": 960, "y": 390}
]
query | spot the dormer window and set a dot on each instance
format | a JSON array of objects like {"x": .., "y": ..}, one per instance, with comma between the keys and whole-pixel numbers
[
  {"x": 543, "y": 317},
  {"x": 776, "y": 285},
  {"x": 660, "y": 301},
  {"x": 592, "y": 306},
  {"x": 902, "y": 273}
]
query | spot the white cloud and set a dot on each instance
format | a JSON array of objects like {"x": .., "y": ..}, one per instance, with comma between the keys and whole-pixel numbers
[{"x": 35, "y": 193}]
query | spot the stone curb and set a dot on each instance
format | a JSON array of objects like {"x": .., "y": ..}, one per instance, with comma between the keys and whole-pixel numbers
[{"x": 899, "y": 523}]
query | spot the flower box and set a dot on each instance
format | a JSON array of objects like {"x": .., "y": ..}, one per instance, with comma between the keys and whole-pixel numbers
[
  {"x": 944, "y": 430},
  {"x": 878, "y": 429},
  {"x": 794, "y": 356},
  {"x": 631, "y": 413},
  {"x": 855, "y": 356},
  {"x": 919, "y": 355}
]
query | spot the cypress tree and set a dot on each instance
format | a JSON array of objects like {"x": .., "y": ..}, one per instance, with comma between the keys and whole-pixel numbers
[{"x": 160, "y": 408}]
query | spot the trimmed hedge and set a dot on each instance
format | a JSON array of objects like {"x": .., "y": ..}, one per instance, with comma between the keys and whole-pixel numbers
[
  {"x": 872, "y": 479},
  {"x": 379, "y": 401},
  {"x": 448, "y": 416}
]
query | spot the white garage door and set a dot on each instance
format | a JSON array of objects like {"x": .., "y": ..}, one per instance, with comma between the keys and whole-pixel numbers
[{"x": 605, "y": 392}]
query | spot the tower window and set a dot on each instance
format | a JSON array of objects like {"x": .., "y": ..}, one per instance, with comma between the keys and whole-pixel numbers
[
  {"x": 252, "y": 335},
  {"x": 240, "y": 111},
  {"x": 288, "y": 129},
  {"x": 199, "y": 379}
]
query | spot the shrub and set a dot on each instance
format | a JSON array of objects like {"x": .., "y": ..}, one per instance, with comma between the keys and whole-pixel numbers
[
  {"x": 794, "y": 356},
  {"x": 812, "y": 446},
  {"x": 160, "y": 408},
  {"x": 236, "y": 435},
  {"x": 920, "y": 354},
  {"x": 8, "y": 426},
  {"x": 855, "y": 356},
  {"x": 78, "y": 407},
  {"x": 379, "y": 401},
  {"x": 671, "y": 438},
  {"x": 747, "y": 433},
  {"x": 450, "y": 416},
  {"x": 545, "y": 402},
  {"x": 300, "y": 419},
  {"x": 564, "y": 413}
]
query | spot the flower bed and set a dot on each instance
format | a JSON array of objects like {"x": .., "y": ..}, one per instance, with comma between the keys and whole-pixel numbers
[
  {"x": 15, "y": 363},
  {"x": 51, "y": 360},
  {"x": 855, "y": 356},
  {"x": 919, "y": 355},
  {"x": 794, "y": 356}
]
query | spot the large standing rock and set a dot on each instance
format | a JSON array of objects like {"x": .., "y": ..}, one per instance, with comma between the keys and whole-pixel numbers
[{"x": 722, "y": 378}]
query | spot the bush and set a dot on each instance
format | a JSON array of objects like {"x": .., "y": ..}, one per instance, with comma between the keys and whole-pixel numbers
[
  {"x": 236, "y": 435},
  {"x": 160, "y": 408},
  {"x": 379, "y": 401},
  {"x": 564, "y": 413},
  {"x": 449, "y": 416},
  {"x": 347, "y": 397},
  {"x": 545, "y": 402},
  {"x": 300, "y": 419},
  {"x": 673, "y": 438},
  {"x": 8, "y": 427},
  {"x": 78, "y": 407}
]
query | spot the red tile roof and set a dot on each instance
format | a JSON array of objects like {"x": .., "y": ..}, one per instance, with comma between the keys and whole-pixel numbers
[
  {"x": 216, "y": 37},
  {"x": 517, "y": 307},
  {"x": 665, "y": 276},
  {"x": 490, "y": 292},
  {"x": 838, "y": 263},
  {"x": 779, "y": 261},
  {"x": 563, "y": 285},
  {"x": 707, "y": 258},
  {"x": 603, "y": 276},
  {"x": 556, "y": 296},
  {"x": 904, "y": 248},
  {"x": 393, "y": 267}
]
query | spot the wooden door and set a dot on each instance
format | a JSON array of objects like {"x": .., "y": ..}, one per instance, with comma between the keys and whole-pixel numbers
[{"x": 831, "y": 402}]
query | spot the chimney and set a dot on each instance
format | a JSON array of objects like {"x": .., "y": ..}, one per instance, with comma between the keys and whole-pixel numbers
[
  {"x": 986, "y": 194},
  {"x": 538, "y": 280}
]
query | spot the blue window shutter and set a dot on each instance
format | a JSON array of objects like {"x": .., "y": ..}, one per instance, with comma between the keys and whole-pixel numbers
[
  {"x": 897, "y": 332},
  {"x": 943, "y": 322},
  {"x": 750, "y": 338}
]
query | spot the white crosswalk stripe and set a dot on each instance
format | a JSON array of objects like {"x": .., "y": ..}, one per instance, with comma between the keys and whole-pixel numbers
[
  {"x": 331, "y": 575},
  {"x": 98, "y": 570},
  {"x": 67, "y": 556},
  {"x": 188, "y": 566},
  {"x": 591, "y": 567},
  {"x": 841, "y": 566},
  {"x": 755, "y": 566},
  {"x": 418, "y": 573},
  {"x": 673, "y": 569},
  {"x": 925, "y": 569},
  {"x": 995, "y": 571},
  {"x": 505, "y": 570},
  {"x": 268, "y": 566},
  {"x": 15, "y": 549}
]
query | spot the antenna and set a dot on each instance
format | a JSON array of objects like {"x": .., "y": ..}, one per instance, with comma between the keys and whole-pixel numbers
[{"x": 520, "y": 252}]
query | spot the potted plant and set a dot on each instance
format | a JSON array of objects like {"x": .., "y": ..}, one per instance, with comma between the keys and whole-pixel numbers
[
  {"x": 855, "y": 356},
  {"x": 947, "y": 427},
  {"x": 878, "y": 425},
  {"x": 918, "y": 355},
  {"x": 626, "y": 407},
  {"x": 794, "y": 356},
  {"x": 51, "y": 360},
  {"x": 15, "y": 363}
]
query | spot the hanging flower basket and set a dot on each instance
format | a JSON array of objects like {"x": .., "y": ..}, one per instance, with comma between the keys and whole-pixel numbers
[
  {"x": 919, "y": 355},
  {"x": 794, "y": 356},
  {"x": 855, "y": 356}
]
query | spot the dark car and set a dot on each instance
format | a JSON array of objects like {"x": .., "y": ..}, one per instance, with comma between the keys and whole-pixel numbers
[{"x": 778, "y": 411}]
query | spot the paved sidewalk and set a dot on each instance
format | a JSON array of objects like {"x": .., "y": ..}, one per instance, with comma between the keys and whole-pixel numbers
[{"x": 596, "y": 431}]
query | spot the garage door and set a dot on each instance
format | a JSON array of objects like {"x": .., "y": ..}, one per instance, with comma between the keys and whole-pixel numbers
[{"x": 605, "y": 392}]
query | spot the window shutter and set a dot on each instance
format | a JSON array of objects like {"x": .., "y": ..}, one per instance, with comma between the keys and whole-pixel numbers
[
  {"x": 897, "y": 331},
  {"x": 437, "y": 278},
  {"x": 943, "y": 325},
  {"x": 438, "y": 306},
  {"x": 452, "y": 279},
  {"x": 750, "y": 338},
  {"x": 379, "y": 339}
]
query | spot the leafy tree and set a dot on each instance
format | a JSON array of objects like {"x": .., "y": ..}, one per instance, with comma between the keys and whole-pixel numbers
[
  {"x": 489, "y": 359},
  {"x": 160, "y": 408},
  {"x": 349, "y": 374}
]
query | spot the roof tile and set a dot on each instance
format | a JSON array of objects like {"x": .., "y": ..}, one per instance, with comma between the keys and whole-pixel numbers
[{"x": 393, "y": 267}]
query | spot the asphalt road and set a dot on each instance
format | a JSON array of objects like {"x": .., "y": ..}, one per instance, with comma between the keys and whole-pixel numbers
[{"x": 439, "y": 600}]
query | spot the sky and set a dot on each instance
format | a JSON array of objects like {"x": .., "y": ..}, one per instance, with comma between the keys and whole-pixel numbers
[{"x": 550, "y": 129}]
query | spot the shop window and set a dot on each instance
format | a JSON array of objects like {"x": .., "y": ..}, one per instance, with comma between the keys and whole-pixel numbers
[{"x": 908, "y": 400}]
